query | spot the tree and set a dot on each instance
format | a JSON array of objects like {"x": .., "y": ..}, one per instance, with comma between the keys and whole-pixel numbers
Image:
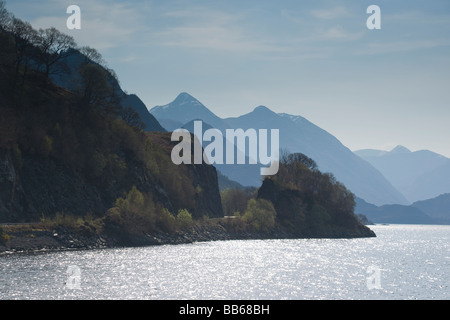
[
  {"x": 7, "y": 58},
  {"x": 92, "y": 54},
  {"x": 96, "y": 90},
  {"x": 260, "y": 214},
  {"x": 234, "y": 200},
  {"x": 95, "y": 66},
  {"x": 319, "y": 217},
  {"x": 4, "y": 237},
  {"x": 130, "y": 116},
  {"x": 293, "y": 158},
  {"x": 136, "y": 212},
  {"x": 55, "y": 47},
  {"x": 306, "y": 198},
  {"x": 4, "y": 16},
  {"x": 184, "y": 218},
  {"x": 25, "y": 37}
]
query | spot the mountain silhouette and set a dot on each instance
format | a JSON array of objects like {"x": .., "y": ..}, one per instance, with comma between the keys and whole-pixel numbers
[
  {"x": 297, "y": 134},
  {"x": 438, "y": 208},
  {"x": 184, "y": 109},
  {"x": 72, "y": 79},
  {"x": 418, "y": 175},
  {"x": 393, "y": 213}
]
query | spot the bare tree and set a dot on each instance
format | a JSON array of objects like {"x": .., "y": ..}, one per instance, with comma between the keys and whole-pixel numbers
[
  {"x": 130, "y": 116},
  {"x": 289, "y": 159},
  {"x": 95, "y": 90},
  {"x": 24, "y": 38},
  {"x": 55, "y": 47},
  {"x": 7, "y": 52},
  {"x": 93, "y": 55},
  {"x": 5, "y": 16}
]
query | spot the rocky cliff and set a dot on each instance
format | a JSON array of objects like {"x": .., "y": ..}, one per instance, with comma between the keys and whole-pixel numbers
[
  {"x": 42, "y": 187},
  {"x": 203, "y": 179}
]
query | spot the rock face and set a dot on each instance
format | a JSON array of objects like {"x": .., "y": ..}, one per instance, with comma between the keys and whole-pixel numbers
[
  {"x": 203, "y": 178},
  {"x": 207, "y": 196},
  {"x": 10, "y": 190},
  {"x": 43, "y": 187}
]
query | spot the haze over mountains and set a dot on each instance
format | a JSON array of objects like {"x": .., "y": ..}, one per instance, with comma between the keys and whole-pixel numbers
[
  {"x": 184, "y": 109},
  {"x": 385, "y": 182},
  {"x": 432, "y": 211},
  {"x": 418, "y": 175},
  {"x": 297, "y": 134}
]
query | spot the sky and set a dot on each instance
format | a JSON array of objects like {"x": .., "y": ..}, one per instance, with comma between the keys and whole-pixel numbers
[{"x": 371, "y": 89}]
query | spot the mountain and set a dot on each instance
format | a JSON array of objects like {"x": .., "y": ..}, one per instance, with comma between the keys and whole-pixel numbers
[
  {"x": 246, "y": 174},
  {"x": 71, "y": 81},
  {"x": 184, "y": 109},
  {"x": 418, "y": 175},
  {"x": 431, "y": 184},
  {"x": 397, "y": 214},
  {"x": 150, "y": 122},
  {"x": 296, "y": 135},
  {"x": 227, "y": 183},
  {"x": 438, "y": 208}
]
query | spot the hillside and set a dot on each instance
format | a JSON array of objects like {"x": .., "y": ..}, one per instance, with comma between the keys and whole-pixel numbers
[
  {"x": 309, "y": 202},
  {"x": 71, "y": 80},
  {"x": 431, "y": 184},
  {"x": 396, "y": 214},
  {"x": 297, "y": 134},
  {"x": 432, "y": 211},
  {"x": 74, "y": 153},
  {"x": 438, "y": 208}
]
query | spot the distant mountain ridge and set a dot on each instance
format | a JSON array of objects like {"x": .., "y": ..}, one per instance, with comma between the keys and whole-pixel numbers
[
  {"x": 438, "y": 208},
  {"x": 394, "y": 213},
  {"x": 297, "y": 134},
  {"x": 431, "y": 211},
  {"x": 183, "y": 109},
  {"x": 418, "y": 175}
]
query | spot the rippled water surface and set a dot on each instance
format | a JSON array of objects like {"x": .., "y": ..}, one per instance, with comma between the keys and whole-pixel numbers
[{"x": 402, "y": 262}]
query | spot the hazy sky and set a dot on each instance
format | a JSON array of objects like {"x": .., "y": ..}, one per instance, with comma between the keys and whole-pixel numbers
[{"x": 369, "y": 88}]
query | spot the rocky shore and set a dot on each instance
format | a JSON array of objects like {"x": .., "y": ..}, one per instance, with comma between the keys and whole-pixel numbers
[{"x": 31, "y": 239}]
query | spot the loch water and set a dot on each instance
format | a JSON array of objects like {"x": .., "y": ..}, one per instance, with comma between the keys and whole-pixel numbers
[{"x": 402, "y": 262}]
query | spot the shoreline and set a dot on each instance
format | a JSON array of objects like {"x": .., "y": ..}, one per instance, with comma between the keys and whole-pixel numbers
[{"x": 38, "y": 240}]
